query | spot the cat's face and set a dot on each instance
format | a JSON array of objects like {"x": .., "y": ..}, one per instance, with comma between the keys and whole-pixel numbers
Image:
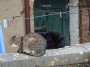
[{"x": 15, "y": 40}]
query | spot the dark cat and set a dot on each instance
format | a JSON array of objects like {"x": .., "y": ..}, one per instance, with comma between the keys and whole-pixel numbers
[{"x": 54, "y": 40}]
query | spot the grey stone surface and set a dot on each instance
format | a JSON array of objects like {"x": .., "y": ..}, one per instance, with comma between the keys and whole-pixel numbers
[
  {"x": 70, "y": 56},
  {"x": 16, "y": 60},
  {"x": 74, "y": 22}
]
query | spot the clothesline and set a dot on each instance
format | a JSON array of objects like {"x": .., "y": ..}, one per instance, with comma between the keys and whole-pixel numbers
[
  {"x": 56, "y": 13},
  {"x": 59, "y": 13},
  {"x": 8, "y": 23}
]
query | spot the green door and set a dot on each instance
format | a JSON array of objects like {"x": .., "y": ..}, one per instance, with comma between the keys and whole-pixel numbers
[
  {"x": 46, "y": 18},
  {"x": 55, "y": 22}
]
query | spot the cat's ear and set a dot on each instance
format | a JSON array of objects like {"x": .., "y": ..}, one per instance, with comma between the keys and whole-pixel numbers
[{"x": 13, "y": 37}]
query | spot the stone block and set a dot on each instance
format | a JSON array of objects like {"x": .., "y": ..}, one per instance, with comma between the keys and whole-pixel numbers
[{"x": 70, "y": 56}]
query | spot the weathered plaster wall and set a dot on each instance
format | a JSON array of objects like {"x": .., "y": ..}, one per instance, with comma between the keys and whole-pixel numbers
[
  {"x": 74, "y": 22},
  {"x": 84, "y": 24},
  {"x": 9, "y": 9}
]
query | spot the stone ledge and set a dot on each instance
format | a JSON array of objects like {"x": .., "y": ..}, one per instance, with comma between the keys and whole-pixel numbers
[{"x": 56, "y": 57}]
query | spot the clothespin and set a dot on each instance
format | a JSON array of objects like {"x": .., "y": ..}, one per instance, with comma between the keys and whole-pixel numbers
[
  {"x": 5, "y": 23},
  {"x": 10, "y": 22},
  {"x": 60, "y": 14}
]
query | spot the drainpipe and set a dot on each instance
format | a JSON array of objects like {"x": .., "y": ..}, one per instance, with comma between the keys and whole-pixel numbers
[{"x": 27, "y": 15}]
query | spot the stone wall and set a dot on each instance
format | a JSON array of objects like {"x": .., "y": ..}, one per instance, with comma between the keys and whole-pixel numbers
[{"x": 70, "y": 56}]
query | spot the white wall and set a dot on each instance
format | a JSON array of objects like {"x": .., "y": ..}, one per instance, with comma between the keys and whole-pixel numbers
[{"x": 74, "y": 22}]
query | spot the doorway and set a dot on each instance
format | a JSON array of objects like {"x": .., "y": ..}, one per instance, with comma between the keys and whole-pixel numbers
[{"x": 49, "y": 16}]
